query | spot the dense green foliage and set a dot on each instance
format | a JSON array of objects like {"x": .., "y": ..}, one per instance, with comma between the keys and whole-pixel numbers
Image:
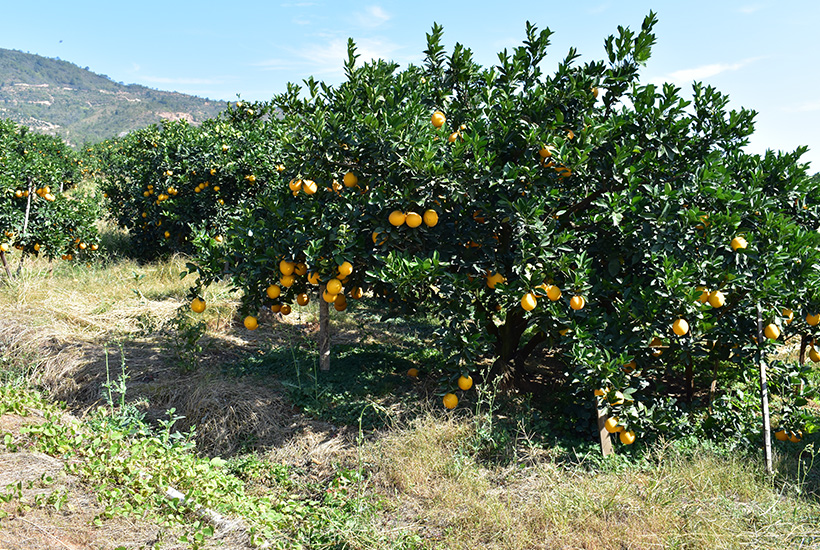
[
  {"x": 580, "y": 214},
  {"x": 59, "y": 98},
  {"x": 36, "y": 216}
]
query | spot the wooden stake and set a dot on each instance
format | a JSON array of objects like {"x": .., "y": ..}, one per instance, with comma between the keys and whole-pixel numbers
[
  {"x": 324, "y": 331},
  {"x": 606, "y": 442},
  {"x": 764, "y": 395}
]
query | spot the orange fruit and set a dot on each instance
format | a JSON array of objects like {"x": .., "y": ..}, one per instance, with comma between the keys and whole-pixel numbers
[
  {"x": 287, "y": 268},
  {"x": 577, "y": 302},
  {"x": 450, "y": 401},
  {"x": 300, "y": 269},
  {"x": 309, "y": 187},
  {"x": 328, "y": 297},
  {"x": 813, "y": 355},
  {"x": 453, "y": 137},
  {"x": 356, "y": 292},
  {"x": 781, "y": 435},
  {"x": 629, "y": 367},
  {"x": 680, "y": 327},
  {"x": 334, "y": 286},
  {"x": 197, "y": 305},
  {"x": 313, "y": 278},
  {"x": 276, "y": 308},
  {"x": 704, "y": 294},
  {"x": 717, "y": 299},
  {"x": 340, "y": 303},
  {"x": 286, "y": 280},
  {"x": 796, "y": 437},
  {"x": 397, "y": 218},
  {"x": 285, "y": 309},
  {"x": 739, "y": 243},
  {"x": 413, "y": 372},
  {"x": 789, "y": 315},
  {"x": 599, "y": 392},
  {"x": 528, "y": 301},
  {"x": 430, "y": 218},
  {"x": 345, "y": 269},
  {"x": 273, "y": 292},
  {"x": 813, "y": 319},
  {"x": 251, "y": 323},
  {"x": 495, "y": 278},
  {"x": 295, "y": 185},
  {"x": 302, "y": 299},
  {"x": 772, "y": 331},
  {"x": 465, "y": 382},
  {"x": 350, "y": 180},
  {"x": 438, "y": 119},
  {"x": 553, "y": 293},
  {"x": 413, "y": 220},
  {"x": 611, "y": 425},
  {"x": 4, "y": 247},
  {"x": 546, "y": 151},
  {"x": 627, "y": 438}
]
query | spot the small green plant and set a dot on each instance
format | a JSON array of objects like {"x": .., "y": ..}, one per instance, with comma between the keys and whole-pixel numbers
[{"x": 184, "y": 340}]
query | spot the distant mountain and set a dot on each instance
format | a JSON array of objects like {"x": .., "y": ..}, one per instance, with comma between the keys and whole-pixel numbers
[{"x": 59, "y": 98}]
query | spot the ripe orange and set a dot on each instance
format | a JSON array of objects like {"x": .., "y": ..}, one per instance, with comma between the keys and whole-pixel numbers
[
  {"x": 273, "y": 292},
  {"x": 546, "y": 151},
  {"x": 413, "y": 220},
  {"x": 302, "y": 299},
  {"x": 309, "y": 187},
  {"x": 739, "y": 243},
  {"x": 286, "y": 281},
  {"x": 629, "y": 367},
  {"x": 438, "y": 119},
  {"x": 340, "y": 303},
  {"x": 345, "y": 269},
  {"x": 680, "y": 327},
  {"x": 553, "y": 293},
  {"x": 450, "y": 401},
  {"x": 4, "y": 247},
  {"x": 465, "y": 382},
  {"x": 313, "y": 278},
  {"x": 453, "y": 137},
  {"x": 528, "y": 301},
  {"x": 627, "y": 438},
  {"x": 577, "y": 302},
  {"x": 717, "y": 299},
  {"x": 813, "y": 319},
  {"x": 356, "y": 293},
  {"x": 413, "y": 372},
  {"x": 813, "y": 355},
  {"x": 772, "y": 331},
  {"x": 197, "y": 305},
  {"x": 286, "y": 267},
  {"x": 611, "y": 425},
  {"x": 167, "y": 234},
  {"x": 599, "y": 392},
  {"x": 295, "y": 185},
  {"x": 328, "y": 297},
  {"x": 430, "y": 218},
  {"x": 789, "y": 315},
  {"x": 251, "y": 323},
  {"x": 350, "y": 180},
  {"x": 781, "y": 435},
  {"x": 397, "y": 218},
  {"x": 285, "y": 309},
  {"x": 796, "y": 437},
  {"x": 334, "y": 286},
  {"x": 495, "y": 278},
  {"x": 704, "y": 294},
  {"x": 276, "y": 308}
]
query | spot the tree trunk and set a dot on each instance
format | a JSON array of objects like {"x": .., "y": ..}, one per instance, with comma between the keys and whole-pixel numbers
[
  {"x": 324, "y": 331},
  {"x": 689, "y": 380},
  {"x": 5, "y": 264}
]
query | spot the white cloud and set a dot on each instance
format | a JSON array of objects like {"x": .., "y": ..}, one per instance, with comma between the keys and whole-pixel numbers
[
  {"x": 807, "y": 107},
  {"x": 599, "y": 9},
  {"x": 372, "y": 17},
  {"x": 167, "y": 80},
  {"x": 750, "y": 8},
  {"x": 707, "y": 71}
]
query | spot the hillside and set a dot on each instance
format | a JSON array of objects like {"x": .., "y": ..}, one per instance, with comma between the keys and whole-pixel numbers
[{"x": 59, "y": 98}]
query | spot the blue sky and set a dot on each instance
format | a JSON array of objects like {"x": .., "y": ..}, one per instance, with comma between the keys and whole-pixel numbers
[{"x": 760, "y": 52}]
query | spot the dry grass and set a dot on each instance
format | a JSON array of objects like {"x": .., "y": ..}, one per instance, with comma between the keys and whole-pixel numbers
[{"x": 704, "y": 502}]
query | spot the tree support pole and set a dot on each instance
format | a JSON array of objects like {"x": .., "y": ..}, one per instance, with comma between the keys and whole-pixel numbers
[
  {"x": 764, "y": 395},
  {"x": 606, "y": 442},
  {"x": 324, "y": 331}
]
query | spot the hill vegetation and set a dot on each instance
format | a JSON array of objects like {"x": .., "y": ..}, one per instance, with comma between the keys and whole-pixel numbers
[{"x": 59, "y": 98}]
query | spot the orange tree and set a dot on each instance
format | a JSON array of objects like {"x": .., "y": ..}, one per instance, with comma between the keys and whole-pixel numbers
[
  {"x": 164, "y": 182},
  {"x": 580, "y": 214},
  {"x": 36, "y": 216}
]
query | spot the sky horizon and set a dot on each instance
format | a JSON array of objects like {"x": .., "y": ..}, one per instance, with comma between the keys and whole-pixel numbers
[{"x": 760, "y": 53}]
